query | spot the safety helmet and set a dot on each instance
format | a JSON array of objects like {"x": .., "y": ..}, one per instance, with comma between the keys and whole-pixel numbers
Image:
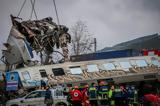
[
  {"x": 86, "y": 86},
  {"x": 76, "y": 87},
  {"x": 102, "y": 83}
]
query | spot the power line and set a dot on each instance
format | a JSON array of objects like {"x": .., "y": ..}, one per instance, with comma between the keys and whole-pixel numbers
[
  {"x": 21, "y": 8},
  {"x": 33, "y": 9},
  {"x": 56, "y": 11}
]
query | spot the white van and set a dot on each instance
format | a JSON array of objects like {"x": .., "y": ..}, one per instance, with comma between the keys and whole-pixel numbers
[{"x": 51, "y": 97}]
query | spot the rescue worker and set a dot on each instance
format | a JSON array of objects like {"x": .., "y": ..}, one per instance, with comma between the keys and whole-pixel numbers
[
  {"x": 130, "y": 94},
  {"x": 135, "y": 96},
  {"x": 151, "y": 100},
  {"x": 85, "y": 96},
  {"x": 43, "y": 84},
  {"x": 103, "y": 92},
  {"x": 124, "y": 96},
  {"x": 110, "y": 96},
  {"x": 67, "y": 92},
  {"x": 48, "y": 97},
  {"x": 69, "y": 96},
  {"x": 76, "y": 97},
  {"x": 93, "y": 95},
  {"x": 118, "y": 96}
]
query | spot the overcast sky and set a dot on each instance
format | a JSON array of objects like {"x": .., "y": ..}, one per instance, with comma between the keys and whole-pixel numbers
[{"x": 110, "y": 21}]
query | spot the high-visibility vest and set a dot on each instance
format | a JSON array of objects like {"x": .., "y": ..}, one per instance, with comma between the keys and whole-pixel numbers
[
  {"x": 110, "y": 93},
  {"x": 92, "y": 92},
  {"x": 103, "y": 90},
  {"x": 135, "y": 96},
  {"x": 117, "y": 92}
]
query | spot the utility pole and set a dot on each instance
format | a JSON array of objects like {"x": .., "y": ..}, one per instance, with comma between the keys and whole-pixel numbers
[
  {"x": 94, "y": 42},
  {"x": 95, "y": 45}
]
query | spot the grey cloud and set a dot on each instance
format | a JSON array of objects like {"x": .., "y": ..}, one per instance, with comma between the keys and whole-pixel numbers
[{"x": 110, "y": 21}]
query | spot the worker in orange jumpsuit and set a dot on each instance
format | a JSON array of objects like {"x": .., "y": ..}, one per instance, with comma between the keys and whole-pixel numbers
[
  {"x": 76, "y": 97},
  {"x": 85, "y": 96}
]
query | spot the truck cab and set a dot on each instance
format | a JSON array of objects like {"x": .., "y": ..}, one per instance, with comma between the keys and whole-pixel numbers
[{"x": 49, "y": 97}]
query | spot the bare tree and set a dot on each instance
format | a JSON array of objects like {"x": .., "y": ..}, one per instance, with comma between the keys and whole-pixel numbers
[{"x": 82, "y": 41}]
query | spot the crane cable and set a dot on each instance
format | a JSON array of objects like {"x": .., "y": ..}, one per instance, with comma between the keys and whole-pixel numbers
[
  {"x": 33, "y": 9},
  {"x": 56, "y": 11},
  {"x": 21, "y": 8}
]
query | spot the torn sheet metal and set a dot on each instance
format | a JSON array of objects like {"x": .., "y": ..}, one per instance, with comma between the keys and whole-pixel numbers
[{"x": 39, "y": 35}]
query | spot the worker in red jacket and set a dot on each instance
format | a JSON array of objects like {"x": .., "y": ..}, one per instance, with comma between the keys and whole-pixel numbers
[
  {"x": 151, "y": 99},
  {"x": 76, "y": 97},
  {"x": 85, "y": 96}
]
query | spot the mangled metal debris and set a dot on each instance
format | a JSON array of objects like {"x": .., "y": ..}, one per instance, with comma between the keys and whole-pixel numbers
[{"x": 39, "y": 35}]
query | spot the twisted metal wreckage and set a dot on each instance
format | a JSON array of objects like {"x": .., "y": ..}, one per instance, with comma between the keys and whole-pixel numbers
[{"x": 39, "y": 35}]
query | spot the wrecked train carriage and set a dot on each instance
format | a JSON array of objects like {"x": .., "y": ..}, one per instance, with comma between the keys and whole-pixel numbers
[{"x": 118, "y": 70}]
